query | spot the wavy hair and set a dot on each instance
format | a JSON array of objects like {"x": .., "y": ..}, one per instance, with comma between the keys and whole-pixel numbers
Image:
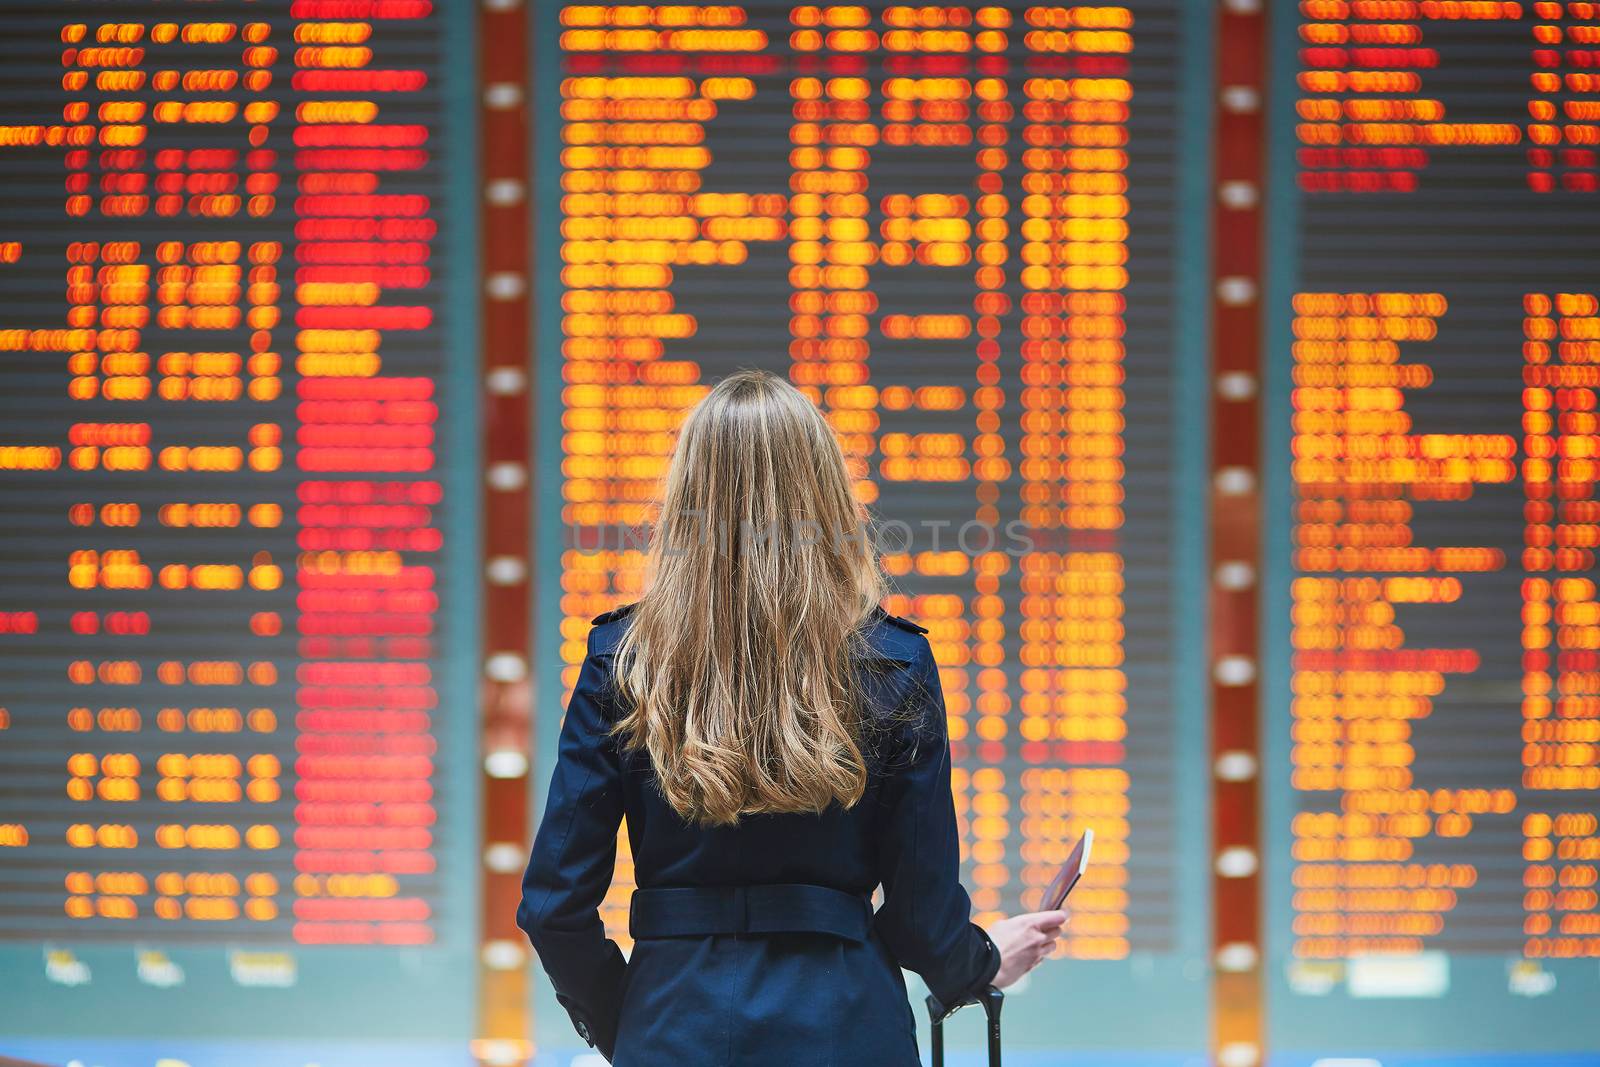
[{"x": 737, "y": 667}]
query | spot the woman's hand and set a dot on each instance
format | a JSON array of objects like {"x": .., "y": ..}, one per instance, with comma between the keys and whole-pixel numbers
[{"x": 1023, "y": 941}]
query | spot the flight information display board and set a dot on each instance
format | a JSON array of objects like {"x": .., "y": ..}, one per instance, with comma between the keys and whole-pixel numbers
[
  {"x": 972, "y": 234},
  {"x": 236, "y": 610},
  {"x": 1433, "y": 695}
]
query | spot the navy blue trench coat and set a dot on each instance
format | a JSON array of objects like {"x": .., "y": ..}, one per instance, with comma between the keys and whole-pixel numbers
[{"x": 757, "y": 943}]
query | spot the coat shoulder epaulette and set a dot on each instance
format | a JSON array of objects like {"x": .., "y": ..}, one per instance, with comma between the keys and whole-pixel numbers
[
  {"x": 614, "y": 613},
  {"x": 904, "y": 624}
]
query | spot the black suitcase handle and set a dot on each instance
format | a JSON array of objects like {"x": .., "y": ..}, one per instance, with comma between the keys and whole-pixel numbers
[{"x": 991, "y": 999}]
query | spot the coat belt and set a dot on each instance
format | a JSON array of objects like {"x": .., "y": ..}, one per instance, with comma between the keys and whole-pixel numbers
[{"x": 696, "y": 911}]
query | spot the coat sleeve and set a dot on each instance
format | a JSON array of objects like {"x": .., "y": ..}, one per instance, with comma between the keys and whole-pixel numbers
[
  {"x": 573, "y": 860},
  {"x": 926, "y": 917}
]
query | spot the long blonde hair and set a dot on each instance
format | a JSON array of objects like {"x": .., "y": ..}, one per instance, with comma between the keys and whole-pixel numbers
[{"x": 736, "y": 667}]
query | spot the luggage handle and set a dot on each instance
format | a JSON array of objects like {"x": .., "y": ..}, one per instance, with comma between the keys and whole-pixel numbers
[{"x": 991, "y": 999}]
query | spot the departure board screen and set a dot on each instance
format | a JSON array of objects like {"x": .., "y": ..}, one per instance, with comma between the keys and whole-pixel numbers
[
  {"x": 970, "y": 235},
  {"x": 1434, "y": 701},
  {"x": 236, "y": 745}
]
